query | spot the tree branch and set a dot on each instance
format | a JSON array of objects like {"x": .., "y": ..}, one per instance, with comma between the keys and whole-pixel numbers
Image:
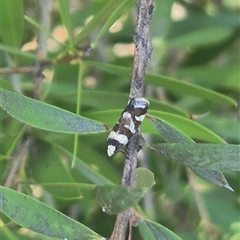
[
  {"x": 143, "y": 50},
  {"x": 143, "y": 46}
]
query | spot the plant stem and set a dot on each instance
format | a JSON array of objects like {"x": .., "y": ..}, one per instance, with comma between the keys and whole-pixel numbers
[
  {"x": 143, "y": 50},
  {"x": 143, "y": 47},
  {"x": 45, "y": 21}
]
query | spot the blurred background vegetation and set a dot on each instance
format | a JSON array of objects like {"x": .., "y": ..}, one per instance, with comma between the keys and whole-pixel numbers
[{"x": 194, "y": 41}]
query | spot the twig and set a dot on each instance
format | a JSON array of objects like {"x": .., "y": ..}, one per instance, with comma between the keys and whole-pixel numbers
[
  {"x": 143, "y": 46},
  {"x": 143, "y": 50},
  {"x": 16, "y": 162},
  {"x": 85, "y": 52},
  {"x": 45, "y": 20},
  {"x": 21, "y": 70}
]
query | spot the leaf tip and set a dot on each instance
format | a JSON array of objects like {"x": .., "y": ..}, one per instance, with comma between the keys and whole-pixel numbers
[
  {"x": 228, "y": 187},
  {"x": 195, "y": 117}
]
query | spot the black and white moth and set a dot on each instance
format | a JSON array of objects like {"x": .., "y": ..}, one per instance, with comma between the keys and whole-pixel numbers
[{"x": 127, "y": 125}]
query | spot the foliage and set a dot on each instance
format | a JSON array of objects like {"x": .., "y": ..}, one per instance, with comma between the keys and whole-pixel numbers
[{"x": 57, "y": 142}]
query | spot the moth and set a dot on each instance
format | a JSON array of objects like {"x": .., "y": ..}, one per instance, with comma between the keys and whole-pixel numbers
[{"x": 127, "y": 125}]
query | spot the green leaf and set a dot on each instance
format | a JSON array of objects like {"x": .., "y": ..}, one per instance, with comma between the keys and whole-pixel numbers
[
  {"x": 47, "y": 117},
  {"x": 174, "y": 85},
  {"x": 89, "y": 172},
  {"x": 227, "y": 125},
  {"x": 121, "y": 9},
  {"x": 177, "y": 129},
  {"x": 92, "y": 163},
  {"x": 198, "y": 37},
  {"x": 40, "y": 27},
  {"x": 174, "y": 135},
  {"x": 159, "y": 231},
  {"x": 212, "y": 77},
  {"x": 7, "y": 234},
  {"x": 212, "y": 156},
  {"x": 183, "y": 88},
  {"x": 200, "y": 20},
  {"x": 115, "y": 199},
  {"x": 169, "y": 132},
  {"x": 17, "y": 51},
  {"x": 64, "y": 9},
  {"x": 99, "y": 100},
  {"x": 223, "y": 203},
  {"x": 47, "y": 168},
  {"x": 144, "y": 178},
  {"x": 36, "y": 216},
  {"x": 145, "y": 231},
  {"x": 11, "y": 22},
  {"x": 187, "y": 126},
  {"x": 213, "y": 176},
  {"x": 97, "y": 20}
]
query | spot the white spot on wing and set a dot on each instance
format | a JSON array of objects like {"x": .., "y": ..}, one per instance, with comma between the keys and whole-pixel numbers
[
  {"x": 141, "y": 103},
  {"x": 121, "y": 138},
  {"x": 131, "y": 127},
  {"x": 113, "y": 135},
  {"x": 110, "y": 150},
  {"x": 104, "y": 209},
  {"x": 126, "y": 115},
  {"x": 140, "y": 118}
]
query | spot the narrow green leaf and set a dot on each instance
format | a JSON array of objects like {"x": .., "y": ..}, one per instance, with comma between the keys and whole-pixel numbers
[
  {"x": 99, "y": 100},
  {"x": 123, "y": 8},
  {"x": 212, "y": 156},
  {"x": 197, "y": 38},
  {"x": 160, "y": 232},
  {"x": 7, "y": 234},
  {"x": 174, "y": 85},
  {"x": 165, "y": 107},
  {"x": 89, "y": 172},
  {"x": 38, "y": 26},
  {"x": 115, "y": 199},
  {"x": 212, "y": 77},
  {"x": 17, "y": 51},
  {"x": 184, "y": 88},
  {"x": 187, "y": 126},
  {"x": 145, "y": 231},
  {"x": 92, "y": 163},
  {"x": 169, "y": 132},
  {"x": 213, "y": 176},
  {"x": 11, "y": 22},
  {"x": 226, "y": 125},
  {"x": 78, "y": 99},
  {"x": 97, "y": 20},
  {"x": 174, "y": 135},
  {"x": 47, "y": 117},
  {"x": 47, "y": 167},
  {"x": 200, "y": 20},
  {"x": 36, "y": 216},
  {"x": 64, "y": 9}
]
